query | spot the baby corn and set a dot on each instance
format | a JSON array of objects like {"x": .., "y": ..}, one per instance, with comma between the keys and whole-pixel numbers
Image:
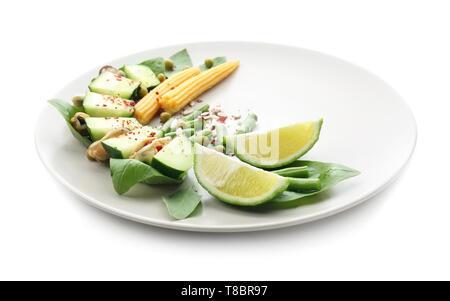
[
  {"x": 175, "y": 100},
  {"x": 148, "y": 106}
]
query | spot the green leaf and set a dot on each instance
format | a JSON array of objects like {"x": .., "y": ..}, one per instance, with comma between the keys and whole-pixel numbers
[
  {"x": 180, "y": 60},
  {"x": 216, "y": 62},
  {"x": 182, "y": 203},
  {"x": 68, "y": 111},
  {"x": 156, "y": 64},
  {"x": 329, "y": 174},
  {"x": 128, "y": 172}
]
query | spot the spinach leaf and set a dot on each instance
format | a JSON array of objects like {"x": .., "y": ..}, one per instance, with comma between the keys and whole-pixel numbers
[
  {"x": 182, "y": 203},
  {"x": 156, "y": 64},
  {"x": 68, "y": 111},
  {"x": 180, "y": 60},
  {"x": 329, "y": 174},
  {"x": 128, "y": 172},
  {"x": 216, "y": 62}
]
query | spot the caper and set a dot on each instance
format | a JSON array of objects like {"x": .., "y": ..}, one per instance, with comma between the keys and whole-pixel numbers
[
  {"x": 220, "y": 148},
  {"x": 164, "y": 116},
  {"x": 209, "y": 63},
  {"x": 169, "y": 64},
  {"x": 142, "y": 92},
  {"x": 108, "y": 68},
  {"x": 78, "y": 101},
  {"x": 161, "y": 77}
]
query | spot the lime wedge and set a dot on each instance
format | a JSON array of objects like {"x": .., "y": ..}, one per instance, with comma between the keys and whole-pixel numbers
[
  {"x": 233, "y": 181},
  {"x": 277, "y": 147}
]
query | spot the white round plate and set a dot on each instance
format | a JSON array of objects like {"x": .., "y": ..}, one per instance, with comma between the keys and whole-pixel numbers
[{"x": 367, "y": 126}]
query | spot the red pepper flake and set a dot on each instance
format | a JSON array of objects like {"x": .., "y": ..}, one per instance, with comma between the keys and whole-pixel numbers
[
  {"x": 199, "y": 100},
  {"x": 213, "y": 141},
  {"x": 222, "y": 119},
  {"x": 135, "y": 139},
  {"x": 213, "y": 128},
  {"x": 139, "y": 133},
  {"x": 132, "y": 103},
  {"x": 152, "y": 134},
  {"x": 159, "y": 147},
  {"x": 107, "y": 118},
  {"x": 97, "y": 105},
  {"x": 116, "y": 117},
  {"x": 171, "y": 88},
  {"x": 157, "y": 93},
  {"x": 104, "y": 105}
]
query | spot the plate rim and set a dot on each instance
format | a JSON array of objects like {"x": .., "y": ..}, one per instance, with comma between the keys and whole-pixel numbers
[{"x": 174, "y": 225}]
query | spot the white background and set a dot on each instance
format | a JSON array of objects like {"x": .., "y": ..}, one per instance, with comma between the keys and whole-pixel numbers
[{"x": 46, "y": 232}]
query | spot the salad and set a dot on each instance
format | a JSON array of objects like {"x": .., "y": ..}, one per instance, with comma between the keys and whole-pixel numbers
[{"x": 147, "y": 123}]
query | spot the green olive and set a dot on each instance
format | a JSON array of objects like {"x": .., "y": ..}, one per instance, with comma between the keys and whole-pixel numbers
[
  {"x": 209, "y": 63},
  {"x": 164, "y": 116},
  {"x": 161, "y": 77},
  {"x": 169, "y": 64},
  {"x": 220, "y": 148},
  {"x": 142, "y": 92}
]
